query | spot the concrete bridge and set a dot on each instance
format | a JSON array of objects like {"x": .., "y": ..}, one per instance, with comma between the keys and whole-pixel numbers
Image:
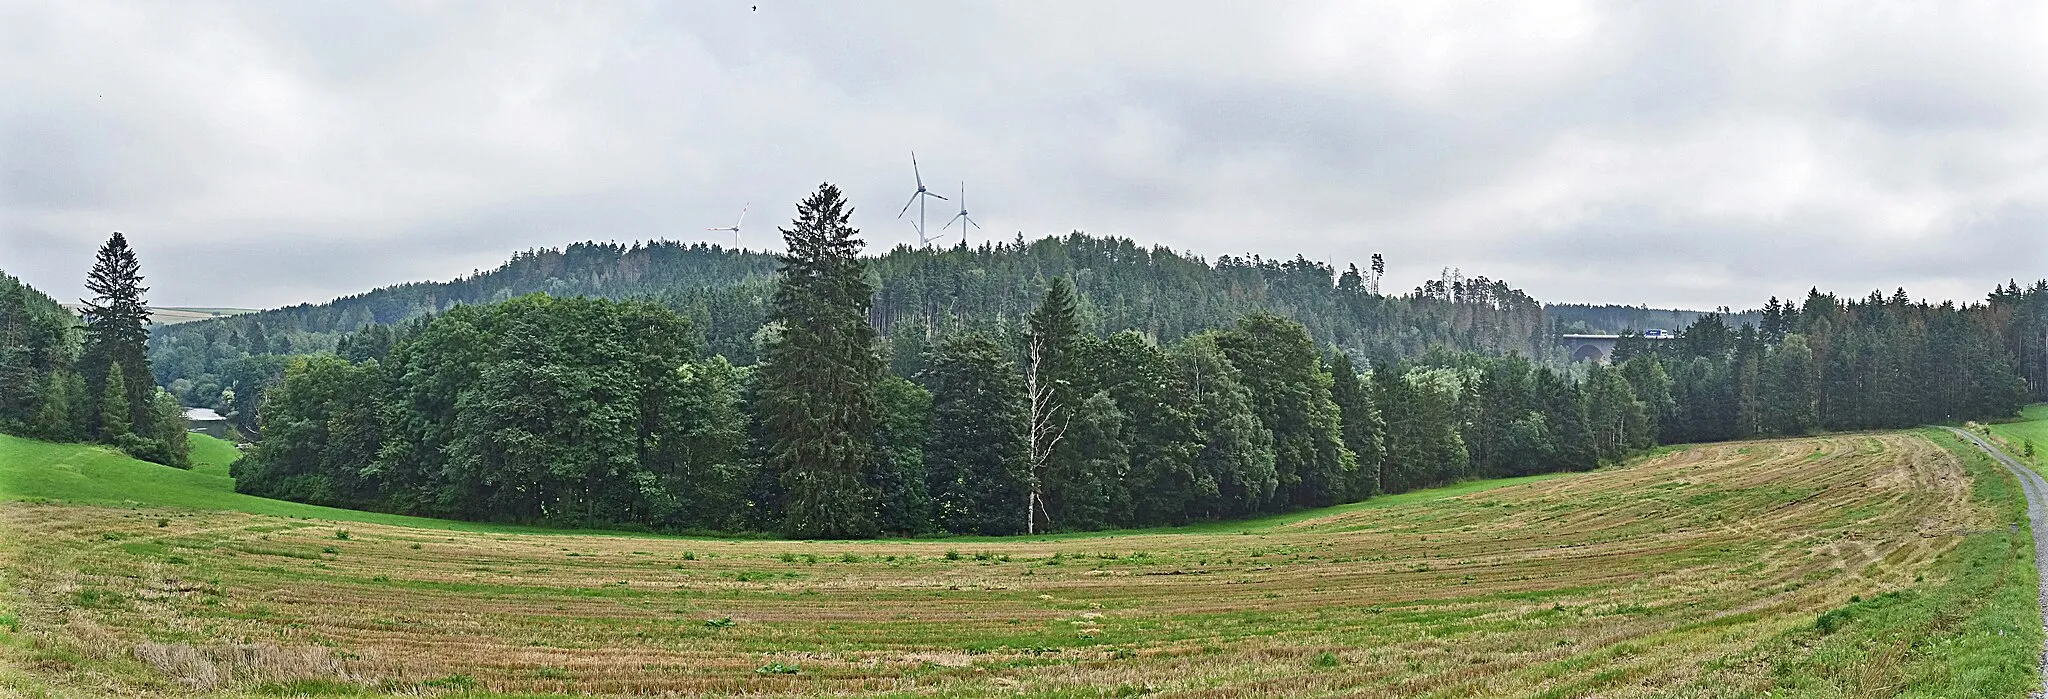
[{"x": 1600, "y": 348}]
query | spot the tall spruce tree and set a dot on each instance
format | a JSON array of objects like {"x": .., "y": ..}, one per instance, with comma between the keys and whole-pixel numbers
[
  {"x": 818, "y": 377},
  {"x": 116, "y": 332}
]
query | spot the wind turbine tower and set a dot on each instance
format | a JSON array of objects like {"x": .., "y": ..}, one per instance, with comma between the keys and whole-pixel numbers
[
  {"x": 918, "y": 198},
  {"x": 735, "y": 227},
  {"x": 964, "y": 219}
]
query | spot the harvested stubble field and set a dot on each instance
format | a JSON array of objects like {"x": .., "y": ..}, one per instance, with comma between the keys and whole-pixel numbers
[{"x": 1858, "y": 565}]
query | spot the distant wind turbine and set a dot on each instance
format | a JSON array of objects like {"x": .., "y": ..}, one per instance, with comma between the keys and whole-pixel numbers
[
  {"x": 918, "y": 198},
  {"x": 735, "y": 227},
  {"x": 964, "y": 219}
]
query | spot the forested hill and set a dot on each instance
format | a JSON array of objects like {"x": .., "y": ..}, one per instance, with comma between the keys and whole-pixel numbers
[
  {"x": 1157, "y": 291},
  {"x": 1616, "y": 319}
]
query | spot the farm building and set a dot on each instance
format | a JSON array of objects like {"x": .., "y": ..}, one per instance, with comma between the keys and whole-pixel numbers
[{"x": 205, "y": 420}]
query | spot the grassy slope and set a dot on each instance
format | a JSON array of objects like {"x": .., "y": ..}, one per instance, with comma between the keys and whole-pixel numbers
[
  {"x": 87, "y": 474},
  {"x": 1967, "y": 628},
  {"x": 2033, "y": 427},
  {"x": 1700, "y": 574},
  {"x": 1970, "y": 627}
]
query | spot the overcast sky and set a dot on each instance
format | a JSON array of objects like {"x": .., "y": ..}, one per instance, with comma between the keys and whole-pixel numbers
[{"x": 1673, "y": 154}]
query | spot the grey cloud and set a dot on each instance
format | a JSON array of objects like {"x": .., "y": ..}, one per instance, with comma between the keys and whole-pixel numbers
[{"x": 273, "y": 153}]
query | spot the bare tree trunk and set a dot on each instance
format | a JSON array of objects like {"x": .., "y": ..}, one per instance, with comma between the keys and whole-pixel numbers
[{"x": 1044, "y": 433}]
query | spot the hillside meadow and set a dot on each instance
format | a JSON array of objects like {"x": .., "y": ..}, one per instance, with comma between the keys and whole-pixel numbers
[{"x": 1894, "y": 564}]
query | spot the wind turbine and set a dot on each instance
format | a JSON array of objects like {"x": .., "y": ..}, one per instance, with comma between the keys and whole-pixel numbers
[
  {"x": 918, "y": 198},
  {"x": 964, "y": 219},
  {"x": 735, "y": 227}
]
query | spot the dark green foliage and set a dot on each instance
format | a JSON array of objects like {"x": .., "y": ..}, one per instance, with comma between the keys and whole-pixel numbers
[
  {"x": 1236, "y": 468},
  {"x": 40, "y": 394},
  {"x": 1291, "y": 395},
  {"x": 921, "y": 293},
  {"x": 1159, "y": 435},
  {"x": 903, "y": 503},
  {"x": 1422, "y": 413},
  {"x": 1058, "y": 469},
  {"x": 1830, "y": 364},
  {"x": 979, "y": 448},
  {"x": 116, "y": 331},
  {"x": 52, "y": 388},
  {"x": 1087, "y": 491},
  {"x": 818, "y": 378},
  {"x": 562, "y": 411},
  {"x": 1363, "y": 428}
]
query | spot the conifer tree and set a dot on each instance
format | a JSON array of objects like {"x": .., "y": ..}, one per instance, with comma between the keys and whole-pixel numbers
[
  {"x": 116, "y": 332},
  {"x": 818, "y": 378},
  {"x": 1363, "y": 427},
  {"x": 114, "y": 413}
]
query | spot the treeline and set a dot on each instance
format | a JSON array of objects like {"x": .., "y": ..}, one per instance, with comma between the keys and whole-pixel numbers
[
  {"x": 920, "y": 294},
  {"x": 589, "y": 412},
  {"x": 1835, "y": 364},
  {"x": 63, "y": 381}
]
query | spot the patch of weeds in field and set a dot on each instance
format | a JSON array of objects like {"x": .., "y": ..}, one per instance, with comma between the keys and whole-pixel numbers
[
  {"x": 777, "y": 668},
  {"x": 1326, "y": 660},
  {"x": 850, "y": 557},
  {"x": 341, "y": 534},
  {"x": 457, "y": 682},
  {"x": 552, "y": 673},
  {"x": 270, "y": 551},
  {"x": 311, "y": 688},
  {"x": 98, "y": 598},
  {"x": 10, "y": 622},
  {"x": 952, "y": 554},
  {"x": 724, "y": 622}
]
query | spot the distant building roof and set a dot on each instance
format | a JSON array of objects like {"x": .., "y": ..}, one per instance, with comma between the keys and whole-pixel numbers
[{"x": 202, "y": 415}]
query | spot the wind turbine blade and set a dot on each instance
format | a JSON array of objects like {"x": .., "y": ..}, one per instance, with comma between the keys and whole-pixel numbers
[
  {"x": 914, "y": 171},
  {"x": 906, "y": 206},
  {"x": 941, "y": 197},
  {"x": 949, "y": 222},
  {"x": 977, "y": 226},
  {"x": 743, "y": 215}
]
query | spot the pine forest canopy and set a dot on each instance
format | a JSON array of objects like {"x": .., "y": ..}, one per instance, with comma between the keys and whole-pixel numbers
[{"x": 920, "y": 295}]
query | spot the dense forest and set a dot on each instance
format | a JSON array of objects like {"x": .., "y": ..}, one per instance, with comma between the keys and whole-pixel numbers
[
  {"x": 853, "y": 413},
  {"x": 66, "y": 380},
  {"x": 920, "y": 295}
]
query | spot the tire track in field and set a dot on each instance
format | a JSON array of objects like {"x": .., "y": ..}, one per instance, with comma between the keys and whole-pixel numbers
[{"x": 2037, "y": 512}]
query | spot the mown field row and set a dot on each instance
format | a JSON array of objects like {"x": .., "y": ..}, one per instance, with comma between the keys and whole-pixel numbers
[{"x": 1857, "y": 565}]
